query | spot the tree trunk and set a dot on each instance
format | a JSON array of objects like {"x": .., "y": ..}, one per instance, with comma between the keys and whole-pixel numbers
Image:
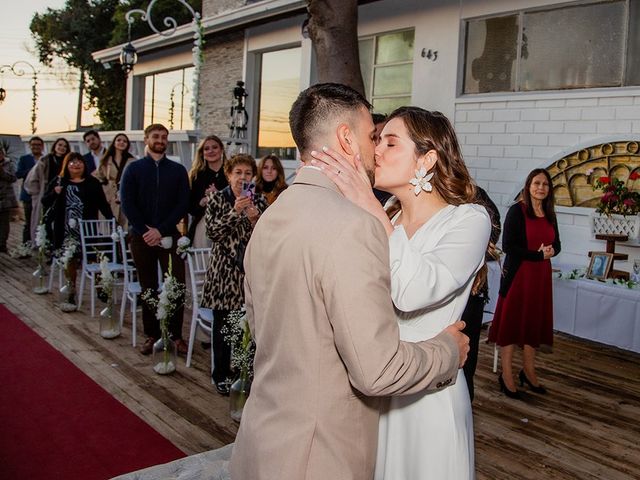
[{"x": 333, "y": 28}]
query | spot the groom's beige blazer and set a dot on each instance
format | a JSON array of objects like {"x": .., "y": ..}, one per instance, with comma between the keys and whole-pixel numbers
[{"x": 319, "y": 306}]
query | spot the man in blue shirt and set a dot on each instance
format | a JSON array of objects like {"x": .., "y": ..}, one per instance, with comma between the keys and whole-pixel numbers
[
  {"x": 154, "y": 193},
  {"x": 25, "y": 164}
]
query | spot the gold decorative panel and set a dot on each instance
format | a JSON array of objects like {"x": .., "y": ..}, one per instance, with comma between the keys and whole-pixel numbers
[{"x": 574, "y": 174}]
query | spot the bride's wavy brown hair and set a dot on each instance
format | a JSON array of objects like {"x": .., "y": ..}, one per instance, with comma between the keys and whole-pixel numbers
[{"x": 451, "y": 179}]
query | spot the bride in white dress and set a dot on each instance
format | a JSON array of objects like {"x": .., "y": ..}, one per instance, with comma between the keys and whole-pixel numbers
[{"x": 437, "y": 243}]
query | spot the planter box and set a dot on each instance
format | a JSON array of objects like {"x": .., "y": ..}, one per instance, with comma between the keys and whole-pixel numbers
[{"x": 617, "y": 225}]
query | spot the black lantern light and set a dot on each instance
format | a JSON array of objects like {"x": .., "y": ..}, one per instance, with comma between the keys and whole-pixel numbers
[{"x": 128, "y": 57}]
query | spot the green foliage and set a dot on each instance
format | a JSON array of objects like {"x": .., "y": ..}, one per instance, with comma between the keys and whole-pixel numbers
[{"x": 73, "y": 32}]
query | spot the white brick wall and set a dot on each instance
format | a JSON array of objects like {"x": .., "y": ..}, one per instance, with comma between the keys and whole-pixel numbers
[{"x": 502, "y": 141}]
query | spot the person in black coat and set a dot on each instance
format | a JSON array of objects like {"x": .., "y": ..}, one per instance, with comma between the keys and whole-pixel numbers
[
  {"x": 206, "y": 176},
  {"x": 473, "y": 312},
  {"x": 70, "y": 197}
]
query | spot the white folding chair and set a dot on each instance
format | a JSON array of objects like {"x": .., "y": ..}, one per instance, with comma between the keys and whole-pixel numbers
[
  {"x": 198, "y": 262},
  {"x": 130, "y": 287},
  {"x": 96, "y": 237}
]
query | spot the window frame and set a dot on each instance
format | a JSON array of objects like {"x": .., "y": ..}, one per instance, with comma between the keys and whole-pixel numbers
[
  {"x": 369, "y": 94},
  {"x": 463, "y": 31}
]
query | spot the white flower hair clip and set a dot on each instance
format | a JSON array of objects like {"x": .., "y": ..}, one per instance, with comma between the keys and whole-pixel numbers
[{"x": 421, "y": 181}]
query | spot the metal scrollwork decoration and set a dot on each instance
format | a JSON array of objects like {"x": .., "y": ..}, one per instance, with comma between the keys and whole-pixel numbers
[
  {"x": 169, "y": 22},
  {"x": 19, "y": 71}
]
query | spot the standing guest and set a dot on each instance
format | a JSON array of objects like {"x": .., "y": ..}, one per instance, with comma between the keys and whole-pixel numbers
[
  {"x": 7, "y": 197},
  {"x": 96, "y": 150},
  {"x": 73, "y": 196},
  {"x": 206, "y": 176},
  {"x": 40, "y": 176},
  {"x": 154, "y": 192},
  {"x": 270, "y": 180},
  {"x": 230, "y": 218},
  {"x": 473, "y": 312},
  {"x": 109, "y": 173},
  {"x": 524, "y": 313},
  {"x": 25, "y": 164}
]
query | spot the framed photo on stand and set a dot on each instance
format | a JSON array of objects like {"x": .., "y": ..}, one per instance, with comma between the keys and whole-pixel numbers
[{"x": 600, "y": 265}]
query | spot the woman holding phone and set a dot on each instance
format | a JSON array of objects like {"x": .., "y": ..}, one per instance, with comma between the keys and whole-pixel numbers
[{"x": 230, "y": 217}]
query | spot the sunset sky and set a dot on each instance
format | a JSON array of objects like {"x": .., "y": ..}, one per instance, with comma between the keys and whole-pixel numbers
[{"x": 57, "y": 87}]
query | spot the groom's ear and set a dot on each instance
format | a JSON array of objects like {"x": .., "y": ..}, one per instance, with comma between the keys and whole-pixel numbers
[{"x": 345, "y": 138}]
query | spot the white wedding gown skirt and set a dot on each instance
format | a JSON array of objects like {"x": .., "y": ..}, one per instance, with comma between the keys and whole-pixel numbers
[{"x": 427, "y": 436}]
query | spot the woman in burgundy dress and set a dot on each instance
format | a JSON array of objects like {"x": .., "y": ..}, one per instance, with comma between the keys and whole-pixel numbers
[{"x": 524, "y": 313}]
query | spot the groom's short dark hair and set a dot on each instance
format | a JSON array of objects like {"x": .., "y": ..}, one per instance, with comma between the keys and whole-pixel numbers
[{"x": 318, "y": 103}]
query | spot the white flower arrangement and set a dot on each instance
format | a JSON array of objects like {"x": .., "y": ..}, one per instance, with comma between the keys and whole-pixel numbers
[
  {"x": 106, "y": 277},
  {"x": 69, "y": 250},
  {"x": 183, "y": 248},
  {"x": 237, "y": 334},
  {"x": 172, "y": 296},
  {"x": 21, "y": 251},
  {"x": 198, "y": 61},
  {"x": 43, "y": 245}
]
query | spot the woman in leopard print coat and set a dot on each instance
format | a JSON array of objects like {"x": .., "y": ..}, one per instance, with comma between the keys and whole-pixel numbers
[{"x": 230, "y": 217}]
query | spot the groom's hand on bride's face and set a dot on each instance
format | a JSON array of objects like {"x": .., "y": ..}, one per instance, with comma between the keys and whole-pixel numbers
[{"x": 461, "y": 339}]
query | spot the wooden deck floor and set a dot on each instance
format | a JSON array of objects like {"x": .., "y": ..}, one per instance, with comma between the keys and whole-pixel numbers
[{"x": 586, "y": 428}]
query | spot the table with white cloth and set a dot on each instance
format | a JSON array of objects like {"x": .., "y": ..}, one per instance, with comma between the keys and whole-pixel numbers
[
  {"x": 597, "y": 311},
  {"x": 586, "y": 308}
]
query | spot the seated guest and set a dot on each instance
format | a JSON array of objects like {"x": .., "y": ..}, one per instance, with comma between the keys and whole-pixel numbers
[
  {"x": 230, "y": 217},
  {"x": 109, "y": 172},
  {"x": 206, "y": 176},
  {"x": 73, "y": 196},
  {"x": 270, "y": 180}
]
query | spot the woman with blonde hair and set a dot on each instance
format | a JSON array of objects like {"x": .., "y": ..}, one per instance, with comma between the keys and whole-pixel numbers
[
  {"x": 109, "y": 172},
  {"x": 437, "y": 244},
  {"x": 270, "y": 180},
  {"x": 206, "y": 176}
]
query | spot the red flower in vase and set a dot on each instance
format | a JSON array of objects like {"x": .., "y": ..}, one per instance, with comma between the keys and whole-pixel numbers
[
  {"x": 604, "y": 179},
  {"x": 634, "y": 176}
]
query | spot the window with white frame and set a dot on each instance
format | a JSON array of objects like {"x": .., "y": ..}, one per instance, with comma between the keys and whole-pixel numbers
[
  {"x": 581, "y": 45},
  {"x": 279, "y": 87},
  {"x": 167, "y": 99},
  {"x": 386, "y": 63}
]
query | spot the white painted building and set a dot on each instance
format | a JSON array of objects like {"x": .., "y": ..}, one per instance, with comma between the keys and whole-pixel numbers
[{"x": 525, "y": 82}]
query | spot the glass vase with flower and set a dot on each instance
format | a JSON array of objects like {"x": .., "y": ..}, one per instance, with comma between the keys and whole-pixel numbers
[
  {"x": 109, "y": 325},
  {"x": 68, "y": 263},
  {"x": 40, "y": 274},
  {"x": 237, "y": 333},
  {"x": 170, "y": 298}
]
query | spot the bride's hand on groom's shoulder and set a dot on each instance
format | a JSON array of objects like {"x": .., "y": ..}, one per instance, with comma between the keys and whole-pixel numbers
[{"x": 455, "y": 330}]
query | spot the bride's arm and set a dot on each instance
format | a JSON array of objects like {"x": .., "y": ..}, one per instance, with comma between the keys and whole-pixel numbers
[
  {"x": 421, "y": 279},
  {"x": 352, "y": 181}
]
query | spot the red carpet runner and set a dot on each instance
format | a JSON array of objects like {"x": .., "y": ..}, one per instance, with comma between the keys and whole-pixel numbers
[{"x": 57, "y": 423}]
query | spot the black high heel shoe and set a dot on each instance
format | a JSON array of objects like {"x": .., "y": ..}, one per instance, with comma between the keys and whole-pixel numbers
[
  {"x": 509, "y": 393},
  {"x": 534, "y": 388}
]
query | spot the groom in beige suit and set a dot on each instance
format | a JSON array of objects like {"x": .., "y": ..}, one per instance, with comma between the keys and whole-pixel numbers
[{"x": 319, "y": 306}]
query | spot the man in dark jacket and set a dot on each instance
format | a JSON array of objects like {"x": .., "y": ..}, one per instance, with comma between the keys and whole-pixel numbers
[
  {"x": 96, "y": 150},
  {"x": 154, "y": 192}
]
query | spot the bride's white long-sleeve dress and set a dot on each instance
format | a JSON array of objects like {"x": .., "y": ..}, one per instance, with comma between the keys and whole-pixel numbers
[{"x": 429, "y": 436}]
